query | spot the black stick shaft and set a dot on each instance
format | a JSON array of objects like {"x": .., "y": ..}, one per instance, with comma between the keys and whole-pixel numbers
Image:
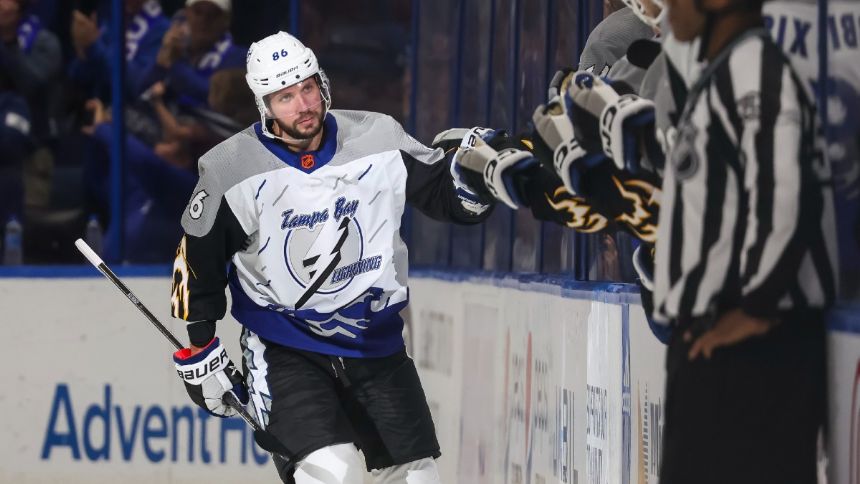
[
  {"x": 104, "y": 269},
  {"x": 229, "y": 397}
]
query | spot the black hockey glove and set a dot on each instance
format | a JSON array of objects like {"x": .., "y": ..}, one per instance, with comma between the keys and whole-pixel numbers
[{"x": 208, "y": 375}]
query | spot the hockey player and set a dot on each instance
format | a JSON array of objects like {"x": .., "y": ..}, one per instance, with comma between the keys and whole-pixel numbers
[
  {"x": 306, "y": 207},
  {"x": 611, "y": 38}
]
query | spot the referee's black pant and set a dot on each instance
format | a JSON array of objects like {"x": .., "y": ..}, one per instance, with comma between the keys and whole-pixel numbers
[{"x": 750, "y": 414}]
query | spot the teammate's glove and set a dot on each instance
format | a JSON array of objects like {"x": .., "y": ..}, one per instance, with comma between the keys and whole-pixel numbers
[
  {"x": 552, "y": 122},
  {"x": 472, "y": 198},
  {"x": 625, "y": 122},
  {"x": 208, "y": 375},
  {"x": 451, "y": 139},
  {"x": 555, "y": 134},
  {"x": 494, "y": 167}
]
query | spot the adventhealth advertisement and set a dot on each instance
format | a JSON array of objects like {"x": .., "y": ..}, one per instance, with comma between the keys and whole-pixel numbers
[{"x": 92, "y": 395}]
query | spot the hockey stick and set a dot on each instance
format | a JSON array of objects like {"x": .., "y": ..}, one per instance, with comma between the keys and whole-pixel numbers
[{"x": 264, "y": 439}]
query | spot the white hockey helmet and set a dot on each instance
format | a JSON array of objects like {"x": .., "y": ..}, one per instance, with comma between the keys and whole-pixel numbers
[
  {"x": 278, "y": 61},
  {"x": 640, "y": 9}
]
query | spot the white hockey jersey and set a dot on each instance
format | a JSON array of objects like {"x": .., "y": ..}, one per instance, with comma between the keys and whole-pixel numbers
[{"x": 317, "y": 262}]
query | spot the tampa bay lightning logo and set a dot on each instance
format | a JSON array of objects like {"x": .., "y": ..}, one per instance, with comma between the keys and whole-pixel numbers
[{"x": 320, "y": 242}]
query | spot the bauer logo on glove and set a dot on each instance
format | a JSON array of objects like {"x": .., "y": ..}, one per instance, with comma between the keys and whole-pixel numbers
[
  {"x": 208, "y": 375},
  {"x": 196, "y": 373}
]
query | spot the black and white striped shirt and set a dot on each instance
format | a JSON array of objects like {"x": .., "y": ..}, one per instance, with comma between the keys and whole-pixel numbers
[{"x": 747, "y": 209}]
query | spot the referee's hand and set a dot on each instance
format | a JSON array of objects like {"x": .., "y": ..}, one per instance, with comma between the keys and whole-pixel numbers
[{"x": 733, "y": 327}]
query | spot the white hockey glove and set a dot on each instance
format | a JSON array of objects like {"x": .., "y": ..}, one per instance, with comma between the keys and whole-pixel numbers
[
  {"x": 500, "y": 174},
  {"x": 453, "y": 138},
  {"x": 551, "y": 120},
  {"x": 208, "y": 375},
  {"x": 555, "y": 134},
  {"x": 470, "y": 197},
  {"x": 625, "y": 122}
]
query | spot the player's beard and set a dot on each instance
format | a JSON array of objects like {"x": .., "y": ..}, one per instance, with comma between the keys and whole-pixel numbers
[{"x": 296, "y": 132}]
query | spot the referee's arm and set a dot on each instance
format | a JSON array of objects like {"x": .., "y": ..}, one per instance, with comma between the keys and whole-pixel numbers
[{"x": 781, "y": 197}]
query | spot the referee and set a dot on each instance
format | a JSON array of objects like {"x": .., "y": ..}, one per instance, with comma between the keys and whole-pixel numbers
[{"x": 745, "y": 260}]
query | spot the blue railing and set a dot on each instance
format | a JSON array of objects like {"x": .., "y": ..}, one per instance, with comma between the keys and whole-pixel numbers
[
  {"x": 494, "y": 71},
  {"x": 117, "y": 147}
]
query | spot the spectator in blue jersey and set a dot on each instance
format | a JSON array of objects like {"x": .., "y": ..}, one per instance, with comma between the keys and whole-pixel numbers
[
  {"x": 145, "y": 27},
  {"x": 154, "y": 188},
  {"x": 196, "y": 46},
  {"x": 30, "y": 57}
]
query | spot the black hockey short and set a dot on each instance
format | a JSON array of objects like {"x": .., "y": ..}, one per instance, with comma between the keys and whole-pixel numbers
[
  {"x": 319, "y": 400},
  {"x": 750, "y": 414}
]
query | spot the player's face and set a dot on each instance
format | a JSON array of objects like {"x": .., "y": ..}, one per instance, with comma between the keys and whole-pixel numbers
[
  {"x": 298, "y": 109},
  {"x": 686, "y": 20}
]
